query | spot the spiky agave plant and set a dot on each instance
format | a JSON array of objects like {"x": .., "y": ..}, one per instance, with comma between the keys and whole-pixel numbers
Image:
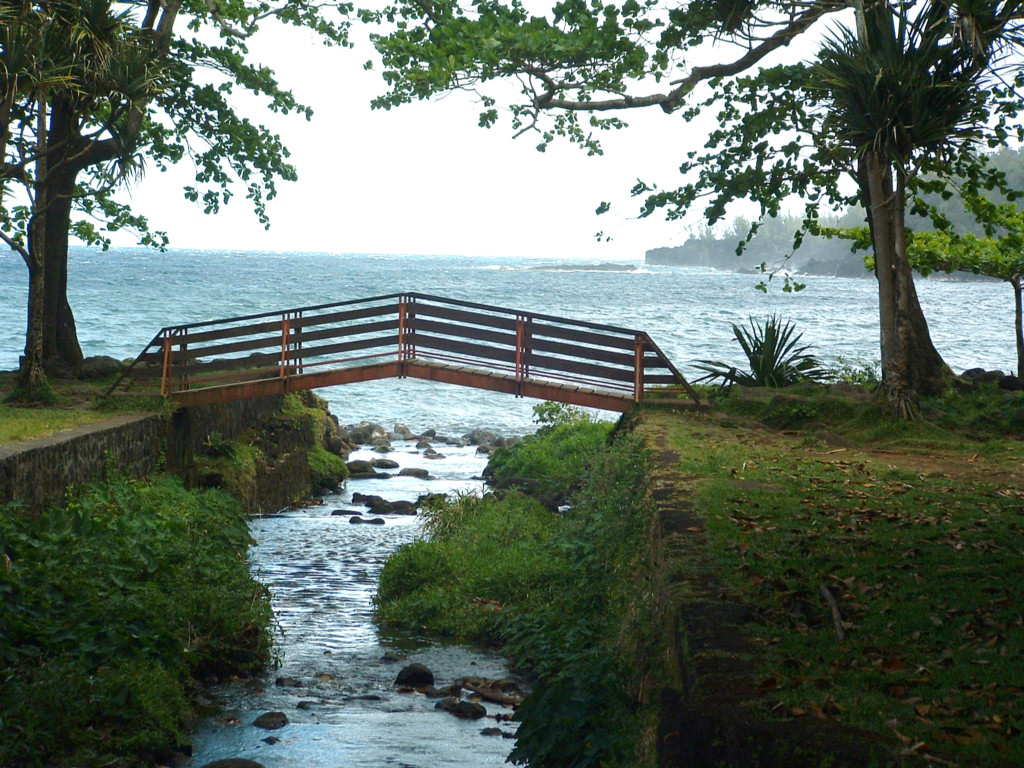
[{"x": 775, "y": 355}]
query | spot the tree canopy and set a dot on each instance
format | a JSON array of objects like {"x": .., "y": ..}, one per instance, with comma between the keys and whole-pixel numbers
[
  {"x": 881, "y": 104},
  {"x": 92, "y": 91}
]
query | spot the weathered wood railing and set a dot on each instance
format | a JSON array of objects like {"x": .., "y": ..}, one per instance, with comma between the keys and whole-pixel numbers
[{"x": 410, "y": 334}]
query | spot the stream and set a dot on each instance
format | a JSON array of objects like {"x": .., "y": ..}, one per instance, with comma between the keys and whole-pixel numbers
[{"x": 338, "y": 667}]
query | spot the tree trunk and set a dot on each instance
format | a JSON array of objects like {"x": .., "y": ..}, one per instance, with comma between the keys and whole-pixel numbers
[
  {"x": 1018, "y": 325},
  {"x": 60, "y": 335},
  {"x": 32, "y": 385},
  {"x": 911, "y": 366}
]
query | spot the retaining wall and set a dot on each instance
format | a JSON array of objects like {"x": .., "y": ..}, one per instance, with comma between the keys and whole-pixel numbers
[{"x": 39, "y": 471}]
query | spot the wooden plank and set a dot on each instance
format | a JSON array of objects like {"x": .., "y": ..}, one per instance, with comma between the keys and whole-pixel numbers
[
  {"x": 266, "y": 342},
  {"x": 389, "y": 345},
  {"x": 465, "y": 348},
  {"x": 575, "y": 350},
  {"x": 660, "y": 378},
  {"x": 463, "y": 331},
  {"x": 463, "y": 316},
  {"x": 307, "y": 321},
  {"x": 582, "y": 396},
  {"x": 574, "y": 334},
  {"x": 577, "y": 367},
  {"x": 278, "y": 386}
]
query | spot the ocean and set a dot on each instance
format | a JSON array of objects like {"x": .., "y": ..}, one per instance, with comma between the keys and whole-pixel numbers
[{"x": 123, "y": 297}]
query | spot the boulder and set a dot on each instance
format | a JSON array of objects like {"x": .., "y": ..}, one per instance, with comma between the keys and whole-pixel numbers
[
  {"x": 1011, "y": 384},
  {"x": 422, "y": 474},
  {"x": 381, "y": 507},
  {"x": 288, "y": 682},
  {"x": 361, "y": 469},
  {"x": 367, "y": 520},
  {"x": 271, "y": 721},
  {"x": 403, "y": 508},
  {"x": 428, "y": 433},
  {"x": 480, "y": 437},
  {"x": 98, "y": 367},
  {"x": 415, "y": 675},
  {"x": 392, "y": 656},
  {"x": 468, "y": 710},
  {"x": 434, "y": 456},
  {"x": 384, "y": 464},
  {"x": 237, "y": 762},
  {"x": 403, "y": 432},
  {"x": 386, "y": 448},
  {"x": 422, "y": 445},
  {"x": 337, "y": 446}
]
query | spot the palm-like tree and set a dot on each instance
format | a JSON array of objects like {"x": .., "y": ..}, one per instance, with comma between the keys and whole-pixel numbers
[{"x": 905, "y": 93}]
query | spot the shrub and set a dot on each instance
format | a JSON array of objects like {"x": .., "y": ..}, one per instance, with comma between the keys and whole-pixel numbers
[
  {"x": 110, "y": 607},
  {"x": 773, "y": 355}
]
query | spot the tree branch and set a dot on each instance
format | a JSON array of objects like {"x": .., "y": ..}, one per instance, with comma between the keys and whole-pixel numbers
[{"x": 670, "y": 101}]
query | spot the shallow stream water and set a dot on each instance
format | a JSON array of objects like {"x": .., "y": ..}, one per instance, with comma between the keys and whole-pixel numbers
[{"x": 322, "y": 572}]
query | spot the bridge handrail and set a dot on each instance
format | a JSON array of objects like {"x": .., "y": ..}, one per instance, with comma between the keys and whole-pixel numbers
[{"x": 518, "y": 345}]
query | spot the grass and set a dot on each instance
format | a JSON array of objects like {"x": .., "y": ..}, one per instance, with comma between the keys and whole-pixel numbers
[
  {"x": 563, "y": 594},
  {"x": 75, "y": 403},
  {"x": 914, "y": 529}
]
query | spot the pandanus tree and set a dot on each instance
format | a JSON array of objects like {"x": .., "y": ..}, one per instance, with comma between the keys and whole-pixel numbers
[
  {"x": 895, "y": 90},
  {"x": 52, "y": 55}
]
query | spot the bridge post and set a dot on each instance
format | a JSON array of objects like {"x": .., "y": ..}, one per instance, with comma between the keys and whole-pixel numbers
[
  {"x": 165, "y": 375},
  {"x": 520, "y": 354},
  {"x": 285, "y": 330},
  {"x": 638, "y": 368},
  {"x": 401, "y": 335}
]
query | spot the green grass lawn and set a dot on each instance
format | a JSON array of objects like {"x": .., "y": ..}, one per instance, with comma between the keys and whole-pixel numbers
[
  {"x": 913, "y": 530},
  {"x": 76, "y": 403}
]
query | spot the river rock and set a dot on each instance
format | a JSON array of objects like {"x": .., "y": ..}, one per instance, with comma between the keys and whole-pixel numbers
[
  {"x": 307, "y": 705},
  {"x": 480, "y": 437},
  {"x": 288, "y": 682},
  {"x": 392, "y": 656},
  {"x": 237, "y": 762},
  {"x": 422, "y": 445},
  {"x": 419, "y": 472},
  {"x": 402, "y": 508},
  {"x": 338, "y": 446},
  {"x": 468, "y": 710},
  {"x": 361, "y": 469},
  {"x": 434, "y": 455},
  {"x": 367, "y": 520},
  {"x": 415, "y": 675},
  {"x": 403, "y": 432},
  {"x": 384, "y": 464},
  {"x": 492, "y": 731},
  {"x": 271, "y": 721}
]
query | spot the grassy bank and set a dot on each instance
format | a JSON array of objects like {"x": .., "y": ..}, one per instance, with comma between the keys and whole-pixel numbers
[
  {"x": 882, "y": 559},
  {"x": 75, "y": 403},
  {"x": 561, "y": 593},
  {"x": 113, "y": 608}
]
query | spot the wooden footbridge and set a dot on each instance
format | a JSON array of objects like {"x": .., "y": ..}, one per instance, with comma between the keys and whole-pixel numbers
[{"x": 404, "y": 335}]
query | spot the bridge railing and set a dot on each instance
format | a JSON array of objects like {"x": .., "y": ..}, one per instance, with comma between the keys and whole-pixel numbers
[{"x": 408, "y": 328}]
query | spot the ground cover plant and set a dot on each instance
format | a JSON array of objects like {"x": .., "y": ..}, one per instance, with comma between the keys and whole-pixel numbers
[
  {"x": 112, "y": 608},
  {"x": 911, "y": 530},
  {"x": 559, "y": 592}
]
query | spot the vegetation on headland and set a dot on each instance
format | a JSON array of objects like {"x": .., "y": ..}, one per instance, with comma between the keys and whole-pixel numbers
[
  {"x": 912, "y": 528},
  {"x": 113, "y": 608},
  {"x": 564, "y": 594}
]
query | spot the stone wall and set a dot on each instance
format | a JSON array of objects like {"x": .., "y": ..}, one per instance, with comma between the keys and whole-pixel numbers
[{"x": 39, "y": 471}]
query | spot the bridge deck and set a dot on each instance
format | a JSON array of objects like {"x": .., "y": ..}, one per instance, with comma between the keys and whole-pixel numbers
[{"x": 409, "y": 335}]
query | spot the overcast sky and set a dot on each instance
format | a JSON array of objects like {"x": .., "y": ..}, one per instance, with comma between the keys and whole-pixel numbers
[{"x": 424, "y": 178}]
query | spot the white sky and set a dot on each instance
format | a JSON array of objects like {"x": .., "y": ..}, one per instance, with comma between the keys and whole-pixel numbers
[{"x": 424, "y": 178}]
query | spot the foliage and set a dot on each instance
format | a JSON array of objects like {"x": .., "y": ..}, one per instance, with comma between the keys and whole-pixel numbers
[
  {"x": 897, "y": 108},
  {"x": 554, "y": 457},
  {"x": 773, "y": 354},
  {"x": 858, "y": 372},
  {"x": 559, "y": 591},
  {"x": 325, "y": 468},
  {"x": 111, "y": 606}
]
